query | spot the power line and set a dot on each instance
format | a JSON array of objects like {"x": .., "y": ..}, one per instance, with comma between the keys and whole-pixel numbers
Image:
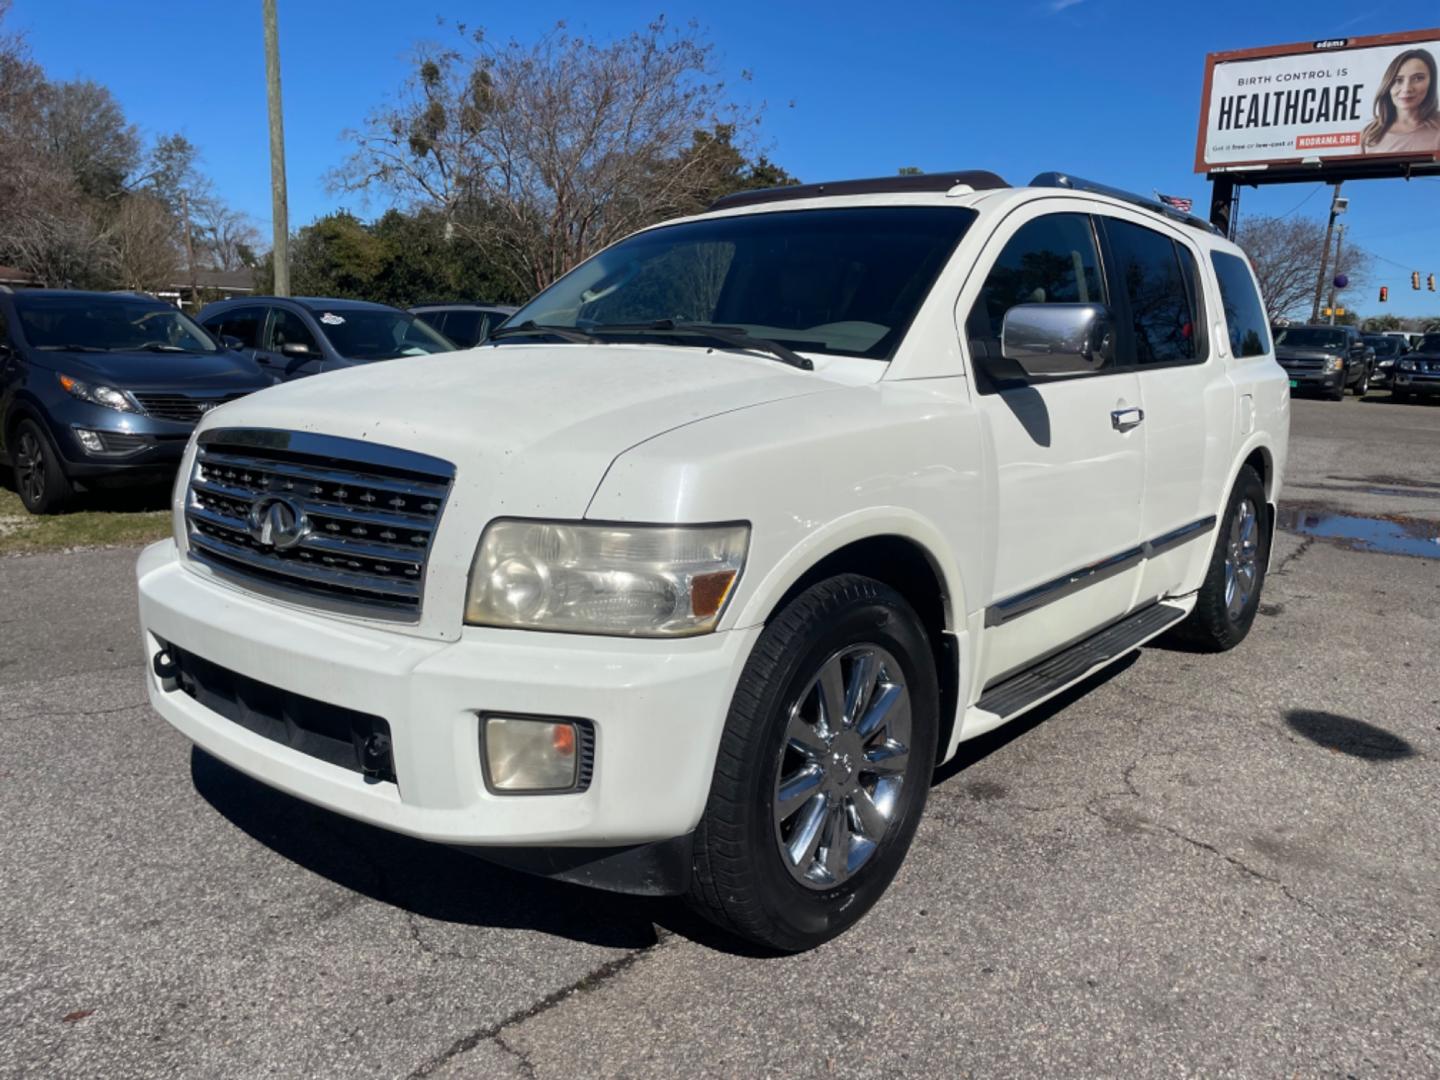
[{"x": 1302, "y": 202}]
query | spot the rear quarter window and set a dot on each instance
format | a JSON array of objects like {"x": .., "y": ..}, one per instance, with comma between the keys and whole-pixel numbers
[{"x": 1244, "y": 313}]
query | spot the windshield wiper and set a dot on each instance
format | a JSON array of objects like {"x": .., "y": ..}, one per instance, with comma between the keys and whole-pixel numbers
[
  {"x": 151, "y": 346},
  {"x": 730, "y": 335},
  {"x": 530, "y": 326},
  {"x": 71, "y": 348}
]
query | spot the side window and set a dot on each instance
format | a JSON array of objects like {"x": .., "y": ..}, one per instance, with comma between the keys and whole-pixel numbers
[
  {"x": 287, "y": 328},
  {"x": 242, "y": 323},
  {"x": 1051, "y": 260},
  {"x": 1244, "y": 314},
  {"x": 463, "y": 327},
  {"x": 1147, "y": 269}
]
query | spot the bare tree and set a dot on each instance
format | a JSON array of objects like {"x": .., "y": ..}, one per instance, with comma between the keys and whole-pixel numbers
[
  {"x": 549, "y": 152},
  {"x": 228, "y": 237},
  {"x": 1285, "y": 253},
  {"x": 140, "y": 242}
]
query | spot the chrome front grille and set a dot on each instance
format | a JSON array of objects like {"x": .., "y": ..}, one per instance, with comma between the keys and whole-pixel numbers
[
  {"x": 336, "y": 523},
  {"x": 1302, "y": 365}
]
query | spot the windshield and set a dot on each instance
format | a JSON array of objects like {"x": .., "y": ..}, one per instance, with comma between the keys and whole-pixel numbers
[
  {"x": 373, "y": 334},
  {"x": 1429, "y": 343},
  {"x": 108, "y": 324},
  {"x": 844, "y": 281},
  {"x": 1384, "y": 346},
  {"x": 1311, "y": 337}
]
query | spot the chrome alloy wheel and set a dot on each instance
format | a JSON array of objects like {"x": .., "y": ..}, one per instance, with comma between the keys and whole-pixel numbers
[
  {"x": 30, "y": 468},
  {"x": 837, "y": 787},
  {"x": 1242, "y": 559}
]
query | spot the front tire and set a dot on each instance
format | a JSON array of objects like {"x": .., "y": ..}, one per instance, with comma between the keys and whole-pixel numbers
[
  {"x": 823, "y": 768},
  {"x": 1230, "y": 596},
  {"x": 40, "y": 481}
]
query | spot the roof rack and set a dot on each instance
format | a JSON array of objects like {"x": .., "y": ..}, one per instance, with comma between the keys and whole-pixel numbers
[
  {"x": 1074, "y": 183},
  {"x": 971, "y": 180}
]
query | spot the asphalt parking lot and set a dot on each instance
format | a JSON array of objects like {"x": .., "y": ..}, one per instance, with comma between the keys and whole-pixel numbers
[{"x": 1193, "y": 865}]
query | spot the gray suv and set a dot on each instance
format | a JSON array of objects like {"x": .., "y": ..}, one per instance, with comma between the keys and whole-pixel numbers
[{"x": 304, "y": 335}]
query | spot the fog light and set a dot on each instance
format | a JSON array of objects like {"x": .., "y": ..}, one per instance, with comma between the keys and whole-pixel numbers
[
  {"x": 90, "y": 440},
  {"x": 530, "y": 755}
]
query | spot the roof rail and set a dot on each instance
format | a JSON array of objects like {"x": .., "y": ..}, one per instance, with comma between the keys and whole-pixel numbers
[
  {"x": 972, "y": 179},
  {"x": 1074, "y": 183}
]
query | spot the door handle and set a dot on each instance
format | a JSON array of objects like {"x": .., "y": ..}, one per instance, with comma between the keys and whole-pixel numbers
[{"x": 1125, "y": 419}]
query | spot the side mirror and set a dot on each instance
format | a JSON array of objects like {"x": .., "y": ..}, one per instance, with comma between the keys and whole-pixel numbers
[
  {"x": 230, "y": 341},
  {"x": 1049, "y": 340},
  {"x": 296, "y": 348}
]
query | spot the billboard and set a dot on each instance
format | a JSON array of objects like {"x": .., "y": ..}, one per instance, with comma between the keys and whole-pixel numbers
[{"x": 1343, "y": 99}]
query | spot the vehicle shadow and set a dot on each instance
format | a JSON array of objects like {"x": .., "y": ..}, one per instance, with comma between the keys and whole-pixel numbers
[
  {"x": 422, "y": 878},
  {"x": 128, "y": 499}
]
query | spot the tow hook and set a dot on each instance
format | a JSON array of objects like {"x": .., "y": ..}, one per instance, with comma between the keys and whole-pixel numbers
[
  {"x": 375, "y": 760},
  {"x": 166, "y": 669}
]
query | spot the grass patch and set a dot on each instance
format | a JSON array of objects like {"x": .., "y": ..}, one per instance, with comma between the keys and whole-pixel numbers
[{"x": 112, "y": 519}]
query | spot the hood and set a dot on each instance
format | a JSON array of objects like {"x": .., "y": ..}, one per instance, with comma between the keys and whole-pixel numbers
[
  {"x": 144, "y": 371},
  {"x": 531, "y": 429}
]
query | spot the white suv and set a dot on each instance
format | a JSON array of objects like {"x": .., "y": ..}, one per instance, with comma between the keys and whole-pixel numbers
[{"x": 686, "y": 581}]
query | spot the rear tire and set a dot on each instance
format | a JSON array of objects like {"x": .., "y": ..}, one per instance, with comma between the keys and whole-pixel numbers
[
  {"x": 40, "y": 480},
  {"x": 813, "y": 804},
  {"x": 1363, "y": 386},
  {"x": 1230, "y": 597}
]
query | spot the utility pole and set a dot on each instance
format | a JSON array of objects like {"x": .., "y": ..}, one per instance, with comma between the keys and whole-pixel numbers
[
  {"x": 1339, "y": 240},
  {"x": 279, "y": 212},
  {"x": 189, "y": 248},
  {"x": 1337, "y": 206}
]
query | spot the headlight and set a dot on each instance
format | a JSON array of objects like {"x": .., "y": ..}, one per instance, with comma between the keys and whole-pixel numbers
[
  {"x": 1334, "y": 363},
  {"x": 107, "y": 396},
  {"x": 1407, "y": 365},
  {"x": 637, "y": 580}
]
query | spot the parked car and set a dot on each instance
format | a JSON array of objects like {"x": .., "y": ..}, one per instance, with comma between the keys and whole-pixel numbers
[
  {"x": 101, "y": 388},
  {"x": 693, "y": 588},
  {"x": 1417, "y": 373},
  {"x": 1388, "y": 349},
  {"x": 467, "y": 325},
  {"x": 1325, "y": 358},
  {"x": 305, "y": 335}
]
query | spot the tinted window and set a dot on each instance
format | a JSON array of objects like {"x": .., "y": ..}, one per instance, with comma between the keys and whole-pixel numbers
[
  {"x": 844, "y": 281},
  {"x": 464, "y": 327},
  {"x": 242, "y": 323},
  {"x": 288, "y": 328},
  {"x": 1147, "y": 267},
  {"x": 107, "y": 324},
  {"x": 1429, "y": 343},
  {"x": 1244, "y": 314},
  {"x": 1051, "y": 260},
  {"x": 1384, "y": 346},
  {"x": 380, "y": 334},
  {"x": 1313, "y": 337}
]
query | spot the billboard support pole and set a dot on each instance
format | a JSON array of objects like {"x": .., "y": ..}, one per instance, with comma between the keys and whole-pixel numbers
[
  {"x": 1325, "y": 253},
  {"x": 1222, "y": 203}
]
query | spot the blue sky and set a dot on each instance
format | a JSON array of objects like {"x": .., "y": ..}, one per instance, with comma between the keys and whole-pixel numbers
[{"x": 1104, "y": 89}]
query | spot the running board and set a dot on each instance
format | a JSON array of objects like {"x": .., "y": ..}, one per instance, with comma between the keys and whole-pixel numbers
[{"x": 1019, "y": 692}]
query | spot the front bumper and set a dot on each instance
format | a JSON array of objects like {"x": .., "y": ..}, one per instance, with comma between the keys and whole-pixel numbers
[
  {"x": 1315, "y": 380},
  {"x": 658, "y": 708},
  {"x": 1410, "y": 383}
]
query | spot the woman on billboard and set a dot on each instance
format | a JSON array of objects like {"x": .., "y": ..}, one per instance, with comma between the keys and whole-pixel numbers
[{"x": 1407, "y": 119}]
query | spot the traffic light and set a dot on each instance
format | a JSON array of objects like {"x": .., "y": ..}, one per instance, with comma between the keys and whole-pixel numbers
[
  {"x": 1430, "y": 282},
  {"x": 1384, "y": 294},
  {"x": 1415, "y": 279}
]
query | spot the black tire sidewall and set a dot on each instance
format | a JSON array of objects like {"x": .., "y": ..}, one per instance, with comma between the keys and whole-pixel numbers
[
  {"x": 802, "y": 917},
  {"x": 1210, "y": 605},
  {"x": 57, "y": 484}
]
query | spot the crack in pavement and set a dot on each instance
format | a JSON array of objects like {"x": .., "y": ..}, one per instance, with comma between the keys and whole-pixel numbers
[
  {"x": 1284, "y": 564},
  {"x": 591, "y": 980},
  {"x": 527, "y": 1067},
  {"x": 73, "y": 712}
]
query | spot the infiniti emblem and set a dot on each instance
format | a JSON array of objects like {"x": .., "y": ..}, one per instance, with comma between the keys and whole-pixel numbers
[{"x": 278, "y": 523}]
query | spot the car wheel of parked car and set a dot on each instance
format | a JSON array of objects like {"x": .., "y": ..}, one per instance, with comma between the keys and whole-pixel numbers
[
  {"x": 1338, "y": 394},
  {"x": 39, "y": 480},
  {"x": 1230, "y": 596},
  {"x": 1363, "y": 386},
  {"x": 823, "y": 769}
]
